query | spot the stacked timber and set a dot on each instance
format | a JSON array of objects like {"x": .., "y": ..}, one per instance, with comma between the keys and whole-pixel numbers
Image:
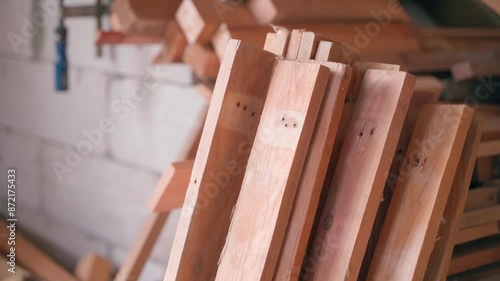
[{"x": 299, "y": 145}]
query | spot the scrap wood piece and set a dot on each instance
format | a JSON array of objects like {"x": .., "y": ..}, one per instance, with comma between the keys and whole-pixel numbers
[
  {"x": 171, "y": 188},
  {"x": 421, "y": 193},
  {"x": 467, "y": 70},
  {"x": 477, "y": 232},
  {"x": 489, "y": 148},
  {"x": 93, "y": 267},
  {"x": 482, "y": 197},
  {"x": 116, "y": 37},
  {"x": 261, "y": 214},
  {"x": 313, "y": 175},
  {"x": 216, "y": 179},
  {"x": 203, "y": 61},
  {"x": 252, "y": 35},
  {"x": 480, "y": 216},
  {"x": 142, "y": 247},
  {"x": 439, "y": 261},
  {"x": 31, "y": 257},
  {"x": 336, "y": 52},
  {"x": 359, "y": 179},
  {"x": 174, "y": 45},
  {"x": 200, "y": 19},
  {"x": 475, "y": 254},
  {"x": 268, "y": 11},
  {"x": 148, "y": 17}
]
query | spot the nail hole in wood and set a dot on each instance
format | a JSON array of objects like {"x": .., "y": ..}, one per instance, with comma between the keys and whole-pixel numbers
[{"x": 372, "y": 131}]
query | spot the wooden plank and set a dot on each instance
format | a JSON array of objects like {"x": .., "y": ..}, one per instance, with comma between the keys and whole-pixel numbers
[
  {"x": 482, "y": 197},
  {"x": 480, "y": 216},
  {"x": 460, "y": 32},
  {"x": 424, "y": 182},
  {"x": 277, "y": 43},
  {"x": 142, "y": 247},
  {"x": 425, "y": 92},
  {"x": 252, "y": 35},
  {"x": 268, "y": 189},
  {"x": 477, "y": 232},
  {"x": 200, "y": 19},
  {"x": 470, "y": 70},
  {"x": 171, "y": 188},
  {"x": 174, "y": 45},
  {"x": 268, "y": 11},
  {"x": 217, "y": 174},
  {"x": 489, "y": 272},
  {"x": 494, "y": 5},
  {"x": 115, "y": 38},
  {"x": 439, "y": 261},
  {"x": 148, "y": 17},
  {"x": 292, "y": 52},
  {"x": 489, "y": 148},
  {"x": 309, "y": 45},
  {"x": 203, "y": 61},
  {"x": 475, "y": 254},
  {"x": 433, "y": 61},
  {"x": 363, "y": 165},
  {"x": 312, "y": 178},
  {"x": 32, "y": 258},
  {"x": 336, "y": 52},
  {"x": 93, "y": 267},
  {"x": 359, "y": 71}
]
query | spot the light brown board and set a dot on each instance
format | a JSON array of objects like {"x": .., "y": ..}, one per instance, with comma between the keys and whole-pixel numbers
[
  {"x": 359, "y": 179},
  {"x": 261, "y": 214},
  {"x": 228, "y": 135},
  {"x": 482, "y": 197},
  {"x": 313, "y": 175},
  {"x": 424, "y": 182},
  {"x": 477, "y": 232},
  {"x": 480, "y": 216},
  {"x": 443, "y": 249}
]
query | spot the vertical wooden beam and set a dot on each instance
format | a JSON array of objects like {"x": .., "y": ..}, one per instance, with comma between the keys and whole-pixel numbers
[
  {"x": 261, "y": 215},
  {"x": 359, "y": 179},
  {"x": 218, "y": 170},
  {"x": 443, "y": 249},
  {"x": 294, "y": 45},
  {"x": 312, "y": 178},
  {"x": 424, "y": 182}
]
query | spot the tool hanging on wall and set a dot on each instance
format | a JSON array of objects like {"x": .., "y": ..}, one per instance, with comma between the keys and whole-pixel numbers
[{"x": 61, "y": 65}]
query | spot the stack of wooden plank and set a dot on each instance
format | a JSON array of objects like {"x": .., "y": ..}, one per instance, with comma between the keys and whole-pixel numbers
[
  {"x": 211, "y": 24},
  {"x": 298, "y": 149}
]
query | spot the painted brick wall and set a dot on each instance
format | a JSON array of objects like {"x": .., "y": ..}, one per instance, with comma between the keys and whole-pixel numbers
[{"x": 97, "y": 202}]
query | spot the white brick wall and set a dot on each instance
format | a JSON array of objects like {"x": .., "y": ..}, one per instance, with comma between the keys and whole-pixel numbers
[{"x": 99, "y": 204}]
